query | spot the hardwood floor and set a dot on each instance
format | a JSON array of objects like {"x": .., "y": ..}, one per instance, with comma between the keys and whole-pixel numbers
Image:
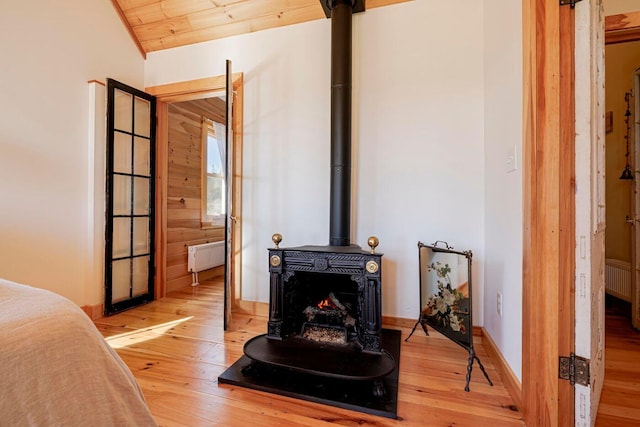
[
  {"x": 620, "y": 400},
  {"x": 176, "y": 349}
]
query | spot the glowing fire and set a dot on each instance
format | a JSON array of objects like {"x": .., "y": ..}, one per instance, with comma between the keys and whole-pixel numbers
[{"x": 327, "y": 304}]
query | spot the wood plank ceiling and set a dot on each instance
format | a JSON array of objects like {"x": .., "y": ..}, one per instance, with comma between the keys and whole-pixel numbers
[{"x": 164, "y": 24}]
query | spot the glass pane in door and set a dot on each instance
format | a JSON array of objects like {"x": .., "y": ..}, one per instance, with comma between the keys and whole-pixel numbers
[
  {"x": 141, "y": 202},
  {"x": 142, "y": 157},
  {"x": 121, "y": 237},
  {"x": 122, "y": 153},
  {"x": 122, "y": 111},
  {"x": 121, "y": 279},
  {"x": 140, "y": 236},
  {"x": 142, "y": 111},
  {"x": 121, "y": 195},
  {"x": 140, "y": 274}
]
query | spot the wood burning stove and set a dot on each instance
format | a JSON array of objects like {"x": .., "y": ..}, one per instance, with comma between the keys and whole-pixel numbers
[
  {"x": 324, "y": 342},
  {"x": 325, "y": 314},
  {"x": 349, "y": 278},
  {"x": 324, "y": 339}
]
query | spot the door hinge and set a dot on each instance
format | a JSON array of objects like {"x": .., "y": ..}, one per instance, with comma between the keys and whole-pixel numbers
[
  {"x": 575, "y": 369},
  {"x": 571, "y": 2}
]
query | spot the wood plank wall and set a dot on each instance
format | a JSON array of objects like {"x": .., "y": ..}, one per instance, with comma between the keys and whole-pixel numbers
[{"x": 183, "y": 196}]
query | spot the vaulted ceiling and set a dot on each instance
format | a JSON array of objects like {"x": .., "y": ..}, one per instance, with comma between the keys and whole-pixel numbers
[{"x": 163, "y": 24}]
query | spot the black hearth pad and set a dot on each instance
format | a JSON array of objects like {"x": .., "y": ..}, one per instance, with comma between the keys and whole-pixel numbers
[
  {"x": 337, "y": 361},
  {"x": 353, "y": 395}
]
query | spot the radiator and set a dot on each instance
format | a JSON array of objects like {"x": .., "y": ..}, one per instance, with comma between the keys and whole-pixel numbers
[
  {"x": 617, "y": 279},
  {"x": 203, "y": 257}
]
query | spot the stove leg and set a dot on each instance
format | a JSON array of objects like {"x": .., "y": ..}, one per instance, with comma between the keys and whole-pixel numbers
[{"x": 378, "y": 389}]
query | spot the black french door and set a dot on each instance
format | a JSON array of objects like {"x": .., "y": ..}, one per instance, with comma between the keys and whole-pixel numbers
[{"x": 130, "y": 189}]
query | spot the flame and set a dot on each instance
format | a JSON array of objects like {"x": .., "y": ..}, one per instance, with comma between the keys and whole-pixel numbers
[{"x": 326, "y": 303}]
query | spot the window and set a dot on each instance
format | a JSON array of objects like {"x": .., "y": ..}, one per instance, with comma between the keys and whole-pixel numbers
[{"x": 213, "y": 171}]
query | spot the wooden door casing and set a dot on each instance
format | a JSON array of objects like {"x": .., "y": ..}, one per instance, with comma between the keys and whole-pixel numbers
[
  {"x": 186, "y": 91},
  {"x": 549, "y": 241}
]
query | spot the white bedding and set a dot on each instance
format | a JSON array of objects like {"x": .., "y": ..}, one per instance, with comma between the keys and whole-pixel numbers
[{"x": 57, "y": 370}]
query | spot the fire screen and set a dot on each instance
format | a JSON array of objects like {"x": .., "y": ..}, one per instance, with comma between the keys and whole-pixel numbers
[{"x": 445, "y": 297}]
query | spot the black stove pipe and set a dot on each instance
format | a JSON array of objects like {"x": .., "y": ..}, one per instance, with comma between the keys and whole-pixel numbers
[{"x": 340, "y": 203}]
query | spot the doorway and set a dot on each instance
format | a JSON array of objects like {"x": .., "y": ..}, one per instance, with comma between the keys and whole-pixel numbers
[
  {"x": 176, "y": 95},
  {"x": 622, "y": 58},
  {"x": 621, "y": 62},
  {"x": 193, "y": 126}
]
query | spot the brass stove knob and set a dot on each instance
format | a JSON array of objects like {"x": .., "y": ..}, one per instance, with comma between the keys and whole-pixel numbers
[
  {"x": 275, "y": 260},
  {"x": 373, "y": 242},
  {"x": 277, "y": 238},
  {"x": 372, "y": 267}
]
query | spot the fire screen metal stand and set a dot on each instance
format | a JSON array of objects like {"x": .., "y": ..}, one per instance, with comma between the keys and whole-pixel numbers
[{"x": 445, "y": 297}]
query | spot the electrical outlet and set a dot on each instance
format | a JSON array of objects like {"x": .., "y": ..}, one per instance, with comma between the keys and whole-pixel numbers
[{"x": 499, "y": 304}]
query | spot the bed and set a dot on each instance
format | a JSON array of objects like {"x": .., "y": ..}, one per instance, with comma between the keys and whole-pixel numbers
[{"x": 57, "y": 370}]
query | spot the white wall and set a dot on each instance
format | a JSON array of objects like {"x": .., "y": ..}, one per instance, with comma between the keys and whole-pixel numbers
[
  {"x": 49, "y": 52},
  {"x": 503, "y": 190},
  {"x": 418, "y": 136}
]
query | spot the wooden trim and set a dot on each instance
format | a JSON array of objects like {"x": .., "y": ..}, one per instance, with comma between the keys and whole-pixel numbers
[
  {"x": 162, "y": 174},
  {"x": 622, "y": 21},
  {"x": 509, "y": 379},
  {"x": 567, "y": 192},
  {"x": 622, "y": 28},
  {"x": 132, "y": 33},
  {"x": 97, "y": 81},
  {"x": 212, "y": 274},
  {"x": 184, "y": 91},
  {"x": 204, "y": 138},
  {"x": 548, "y": 196},
  {"x": 236, "y": 229},
  {"x": 93, "y": 311},
  {"x": 194, "y": 89},
  {"x": 528, "y": 136},
  {"x": 622, "y": 36},
  {"x": 254, "y": 308},
  {"x": 398, "y": 321}
]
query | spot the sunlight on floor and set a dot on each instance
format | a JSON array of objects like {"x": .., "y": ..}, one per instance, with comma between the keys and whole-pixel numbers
[{"x": 134, "y": 337}]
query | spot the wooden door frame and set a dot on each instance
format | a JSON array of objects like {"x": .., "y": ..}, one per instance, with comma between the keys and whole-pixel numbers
[
  {"x": 549, "y": 202},
  {"x": 635, "y": 208},
  {"x": 621, "y": 28},
  {"x": 187, "y": 91},
  {"x": 548, "y": 210}
]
